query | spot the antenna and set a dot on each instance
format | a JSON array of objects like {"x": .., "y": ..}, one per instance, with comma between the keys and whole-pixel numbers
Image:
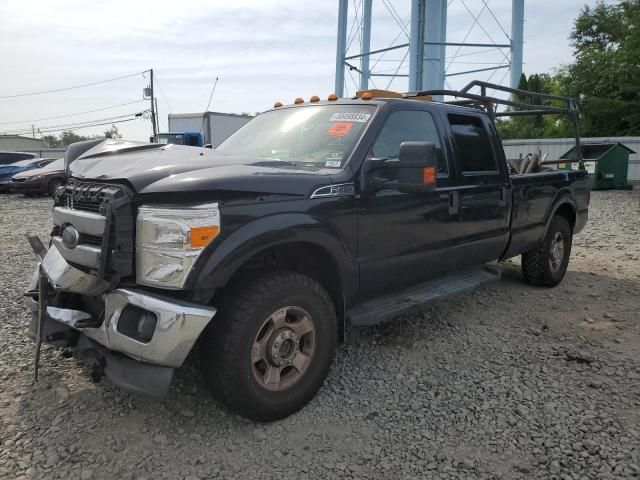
[{"x": 208, "y": 104}]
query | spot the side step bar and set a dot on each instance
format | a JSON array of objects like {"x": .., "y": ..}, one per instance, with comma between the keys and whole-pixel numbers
[{"x": 385, "y": 308}]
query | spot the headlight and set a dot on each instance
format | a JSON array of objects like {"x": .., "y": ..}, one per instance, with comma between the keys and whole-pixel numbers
[{"x": 169, "y": 240}]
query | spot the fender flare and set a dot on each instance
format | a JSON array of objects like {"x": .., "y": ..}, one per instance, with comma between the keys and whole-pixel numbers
[
  {"x": 563, "y": 197},
  {"x": 221, "y": 260}
]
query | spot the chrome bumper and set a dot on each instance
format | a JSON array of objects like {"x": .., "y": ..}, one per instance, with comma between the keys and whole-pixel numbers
[{"x": 178, "y": 324}]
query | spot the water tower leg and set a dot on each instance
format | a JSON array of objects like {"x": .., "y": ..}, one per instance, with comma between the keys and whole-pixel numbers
[
  {"x": 366, "y": 44},
  {"x": 434, "y": 49},
  {"x": 416, "y": 44},
  {"x": 341, "y": 47},
  {"x": 517, "y": 40}
]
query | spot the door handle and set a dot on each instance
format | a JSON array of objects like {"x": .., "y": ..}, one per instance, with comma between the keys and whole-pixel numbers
[
  {"x": 503, "y": 196},
  {"x": 454, "y": 203}
]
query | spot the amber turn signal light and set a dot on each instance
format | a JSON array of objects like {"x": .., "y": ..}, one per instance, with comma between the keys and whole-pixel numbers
[
  {"x": 201, "y": 236},
  {"x": 428, "y": 175}
]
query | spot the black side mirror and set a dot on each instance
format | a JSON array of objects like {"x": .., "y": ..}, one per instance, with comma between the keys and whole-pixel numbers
[{"x": 417, "y": 167}]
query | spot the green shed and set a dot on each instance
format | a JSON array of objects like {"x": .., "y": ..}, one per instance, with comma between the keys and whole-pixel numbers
[{"x": 607, "y": 163}]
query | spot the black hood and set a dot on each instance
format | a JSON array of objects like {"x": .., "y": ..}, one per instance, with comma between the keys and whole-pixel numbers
[{"x": 153, "y": 168}]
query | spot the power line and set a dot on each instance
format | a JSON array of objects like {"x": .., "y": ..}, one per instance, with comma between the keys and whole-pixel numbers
[
  {"x": 73, "y": 125},
  {"x": 162, "y": 92},
  {"x": 87, "y": 126},
  {"x": 72, "y": 88},
  {"x": 72, "y": 114},
  {"x": 208, "y": 104}
]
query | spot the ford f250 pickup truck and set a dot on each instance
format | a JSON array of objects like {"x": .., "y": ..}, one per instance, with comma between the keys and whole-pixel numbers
[{"x": 310, "y": 216}]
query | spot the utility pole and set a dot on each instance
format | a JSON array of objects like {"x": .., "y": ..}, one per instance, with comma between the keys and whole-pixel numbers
[
  {"x": 33, "y": 131},
  {"x": 157, "y": 114},
  {"x": 153, "y": 111}
]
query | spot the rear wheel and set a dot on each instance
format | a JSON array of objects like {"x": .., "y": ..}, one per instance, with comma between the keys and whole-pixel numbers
[
  {"x": 547, "y": 264},
  {"x": 54, "y": 185},
  {"x": 270, "y": 349}
]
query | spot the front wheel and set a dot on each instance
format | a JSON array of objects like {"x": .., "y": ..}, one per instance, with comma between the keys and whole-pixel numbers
[
  {"x": 547, "y": 264},
  {"x": 270, "y": 349}
]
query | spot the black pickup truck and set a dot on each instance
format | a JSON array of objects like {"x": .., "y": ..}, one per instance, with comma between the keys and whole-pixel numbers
[{"x": 310, "y": 216}]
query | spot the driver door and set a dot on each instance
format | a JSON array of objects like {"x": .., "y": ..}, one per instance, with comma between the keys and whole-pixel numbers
[{"x": 402, "y": 236}]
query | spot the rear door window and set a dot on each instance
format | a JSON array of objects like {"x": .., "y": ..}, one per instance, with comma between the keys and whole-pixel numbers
[{"x": 472, "y": 144}]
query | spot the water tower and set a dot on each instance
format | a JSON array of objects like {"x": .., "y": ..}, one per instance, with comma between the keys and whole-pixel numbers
[{"x": 421, "y": 45}]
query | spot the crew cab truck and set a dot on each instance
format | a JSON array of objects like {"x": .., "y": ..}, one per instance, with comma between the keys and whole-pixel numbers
[{"x": 309, "y": 216}]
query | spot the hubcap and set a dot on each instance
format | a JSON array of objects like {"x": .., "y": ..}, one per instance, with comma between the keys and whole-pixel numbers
[
  {"x": 283, "y": 348},
  {"x": 556, "y": 253}
]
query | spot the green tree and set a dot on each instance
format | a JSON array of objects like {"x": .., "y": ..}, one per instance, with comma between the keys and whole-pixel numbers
[
  {"x": 113, "y": 132},
  {"x": 535, "y": 126},
  {"x": 605, "y": 77},
  {"x": 68, "y": 137}
]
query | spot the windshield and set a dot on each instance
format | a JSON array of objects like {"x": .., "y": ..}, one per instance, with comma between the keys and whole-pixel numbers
[
  {"x": 314, "y": 135},
  {"x": 55, "y": 165}
]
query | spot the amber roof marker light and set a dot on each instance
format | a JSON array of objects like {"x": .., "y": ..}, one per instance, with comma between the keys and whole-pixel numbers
[
  {"x": 298, "y": 101},
  {"x": 332, "y": 97},
  {"x": 314, "y": 99},
  {"x": 366, "y": 96},
  {"x": 277, "y": 105}
]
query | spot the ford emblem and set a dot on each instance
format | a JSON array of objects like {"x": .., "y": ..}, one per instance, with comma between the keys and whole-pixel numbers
[{"x": 70, "y": 237}]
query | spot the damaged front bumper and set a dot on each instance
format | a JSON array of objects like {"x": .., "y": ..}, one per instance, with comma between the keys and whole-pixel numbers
[{"x": 138, "y": 339}]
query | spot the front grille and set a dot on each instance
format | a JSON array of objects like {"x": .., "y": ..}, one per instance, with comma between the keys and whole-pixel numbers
[
  {"x": 89, "y": 197},
  {"x": 114, "y": 203}
]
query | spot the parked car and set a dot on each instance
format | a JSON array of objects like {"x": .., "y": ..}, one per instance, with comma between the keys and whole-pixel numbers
[
  {"x": 307, "y": 217},
  {"x": 45, "y": 180},
  {"x": 11, "y": 169},
  {"x": 11, "y": 157}
]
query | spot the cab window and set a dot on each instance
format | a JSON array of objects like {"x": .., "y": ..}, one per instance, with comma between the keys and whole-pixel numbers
[
  {"x": 406, "y": 126},
  {"x": 473, "y": 144}
]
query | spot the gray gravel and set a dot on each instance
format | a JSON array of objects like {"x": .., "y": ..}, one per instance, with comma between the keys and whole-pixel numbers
[{"x": 509, "y": 381}]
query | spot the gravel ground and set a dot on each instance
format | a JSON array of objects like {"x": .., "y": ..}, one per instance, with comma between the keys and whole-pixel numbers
[{"x": 509, "y": 381}]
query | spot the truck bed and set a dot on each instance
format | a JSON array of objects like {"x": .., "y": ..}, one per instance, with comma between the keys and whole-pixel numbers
[{"x": 535, "y": 198}]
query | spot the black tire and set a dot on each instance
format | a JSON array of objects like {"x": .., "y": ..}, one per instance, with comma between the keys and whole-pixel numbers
[
  {"x": 229, "y": 343},
  {"x": 54, "y": 185},
  {"x": 540, "y": 266}
]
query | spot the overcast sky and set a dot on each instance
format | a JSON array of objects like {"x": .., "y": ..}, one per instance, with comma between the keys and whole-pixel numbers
[{"x": 261, "y": 50}]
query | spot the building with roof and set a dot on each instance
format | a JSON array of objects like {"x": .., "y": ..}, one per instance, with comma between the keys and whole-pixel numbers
[{"x": 19, "y": 143}]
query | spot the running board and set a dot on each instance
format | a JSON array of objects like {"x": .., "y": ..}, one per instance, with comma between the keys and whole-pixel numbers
[{"x": 385, "y": 308}]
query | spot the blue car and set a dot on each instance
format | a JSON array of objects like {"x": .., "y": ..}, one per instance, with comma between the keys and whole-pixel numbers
[{"x": 8, "y": 171}]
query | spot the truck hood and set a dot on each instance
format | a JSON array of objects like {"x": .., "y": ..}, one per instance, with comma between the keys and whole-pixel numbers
[{"x": 153, "y": 168}]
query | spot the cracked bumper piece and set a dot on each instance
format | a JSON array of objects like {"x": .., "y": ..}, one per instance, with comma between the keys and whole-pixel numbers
[
  {"x": 171, "y": 331},
  {"x": 137, "y": 341}
]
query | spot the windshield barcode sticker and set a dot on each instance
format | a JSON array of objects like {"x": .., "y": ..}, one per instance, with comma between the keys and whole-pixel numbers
[{"x": 350, "y": 117}]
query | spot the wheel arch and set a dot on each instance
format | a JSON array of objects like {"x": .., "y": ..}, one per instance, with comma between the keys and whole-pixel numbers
[
  {"x": 293, "y": 243},
  {"x": 564, "y": 206}
]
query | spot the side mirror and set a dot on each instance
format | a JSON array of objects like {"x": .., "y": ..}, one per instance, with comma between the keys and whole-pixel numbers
[
  {"x": 208, "y": 145},
  {"x": 417, "y": 167}
]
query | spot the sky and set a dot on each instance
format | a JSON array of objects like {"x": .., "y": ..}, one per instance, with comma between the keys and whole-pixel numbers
[{"x": 261, "y": 51}]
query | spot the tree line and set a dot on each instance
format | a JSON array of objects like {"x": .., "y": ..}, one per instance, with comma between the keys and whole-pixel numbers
[{"x": 68, "y": 137}]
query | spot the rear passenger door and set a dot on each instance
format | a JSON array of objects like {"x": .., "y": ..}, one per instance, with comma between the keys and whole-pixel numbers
[{"x": 482, "y": 199}]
